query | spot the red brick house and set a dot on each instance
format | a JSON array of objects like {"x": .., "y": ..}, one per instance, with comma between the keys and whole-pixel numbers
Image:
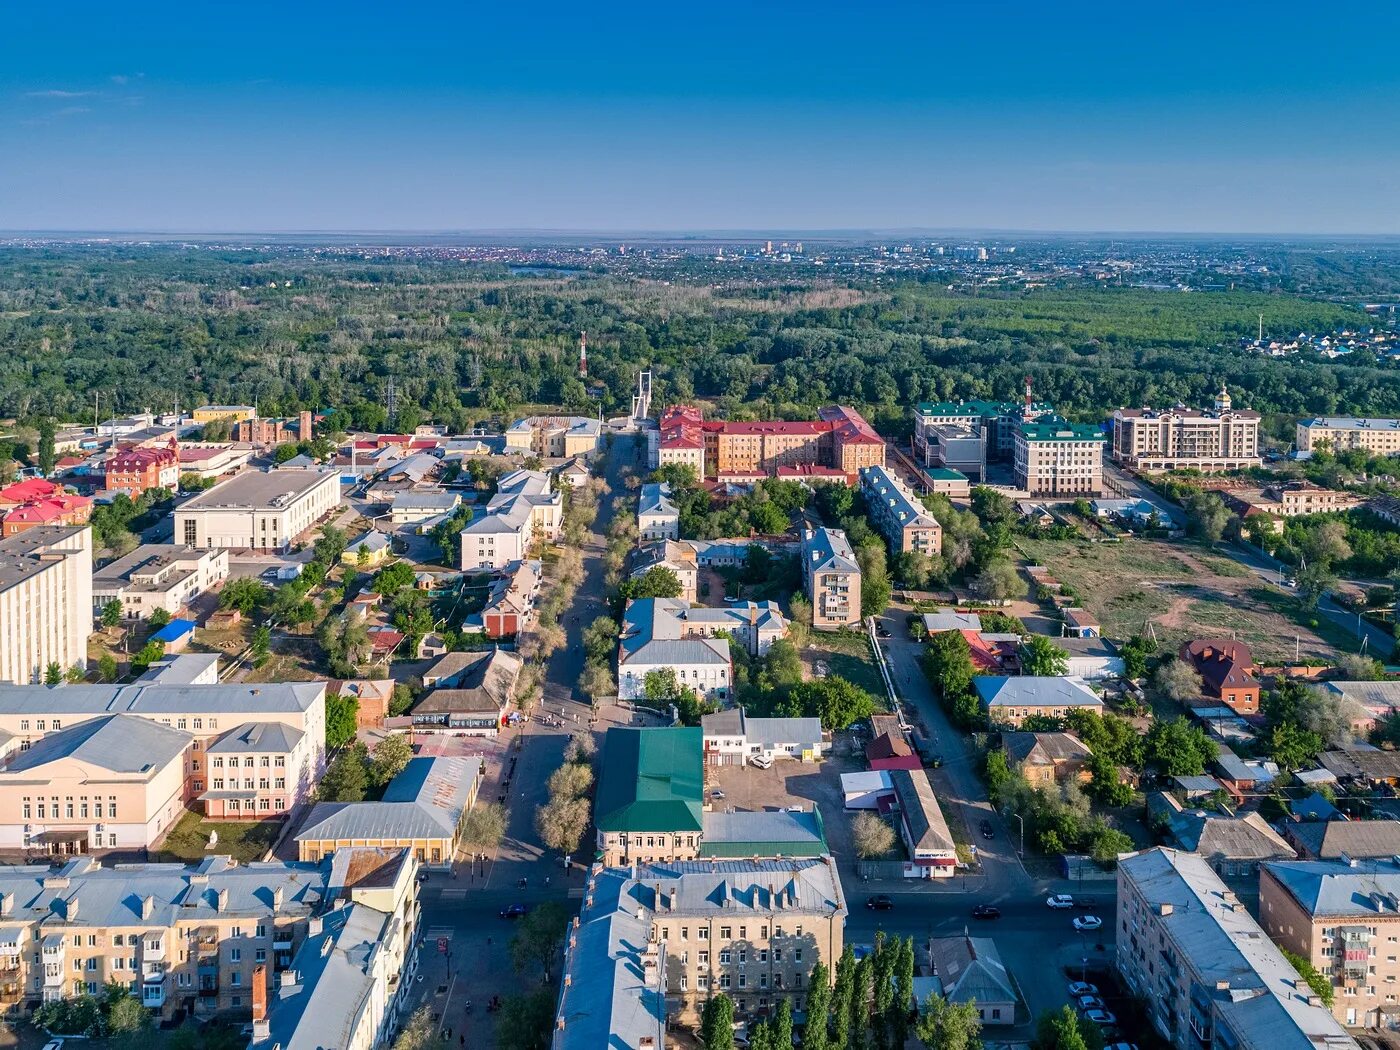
[
  {"x": 137, "y": 470},
  {"x": 1227, "y": 672}
]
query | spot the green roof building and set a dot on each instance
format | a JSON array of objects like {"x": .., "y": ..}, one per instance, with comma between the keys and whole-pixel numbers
[{"x": 652, "y": 782}]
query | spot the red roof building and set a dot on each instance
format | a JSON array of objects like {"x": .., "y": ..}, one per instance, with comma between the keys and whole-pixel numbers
[
  {"x": 891, "y": 751},
  {"x": 28, "y": 491},
  {"x": 137, "y": 470},
  {"x": 62, "y": 509},
  {"x": 1227, "y": 672},
  {"x": 839, "y": 439}
]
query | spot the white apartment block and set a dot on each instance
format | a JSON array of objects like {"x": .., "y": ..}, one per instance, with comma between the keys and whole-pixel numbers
[
  {"x": 1338, "y": 433},
  {"x": 657, "y": 517},
  {"x": 258, "y": 510},
  {"x": 524, "y": 509},
  {"x": 45, "y": 600},
  {"x": 158, "y": 576},
  {"x": 1222, "y": 439},
  {"x": 897, "y": 513}
]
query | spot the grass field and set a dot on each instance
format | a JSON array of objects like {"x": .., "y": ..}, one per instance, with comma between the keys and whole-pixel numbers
[
  {"x": 847, "y": 655},
  {"x": 189, "y": 839},
  {"x": 1185, "y": 593}
]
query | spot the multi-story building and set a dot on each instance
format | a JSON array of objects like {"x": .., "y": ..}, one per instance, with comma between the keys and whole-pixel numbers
[
  {"x": 1339, "y": 433},
  {"x": 750, "y": 929},
  {"x": 1052, "y": 457},
  {"x": 137, "y": 470},
  {"x": 1290, "y": 499},
  {"x": 1188, "y": 948},
  {"x": 679, "y": 557},
  {"x": 967, "y": 435},
  {"x": 556, "y": 437},
  {"x": 260, "y": 431},
  {"x": 831, "y": 578},
  {"x": 158, "y": 576},
  {"x": 258, "y": 510},
  {"x": 208, "y": 713},
  {"x": 525, "y": 509},
  {"x": 1343, "y": 916},
  {"x": 657, "y": 635},
  {"x": 898, "y": 515},
  {"x": 61, "y": 508},
  {"x": 839, "y": 438},
  {"x": 233, "y": 413},
  {"x": 254, "y": 772},
  {"x": 209, "y": 460},
  {"x": 657, "y": 516},
  {"x": 45, "y": 600},
  {"x": 1226, "y": 668},
  {"x": 1224, "y": 438},
  {"x": 510, "y": 603}
]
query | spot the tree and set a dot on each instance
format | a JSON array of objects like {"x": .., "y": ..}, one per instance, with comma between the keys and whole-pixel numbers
[
  {"x": 341, "y": 720},
  {"x": 860, "y": 1000},
  {"x": 1326, "y": 543},
  {"x": 1059, "y": 1031},
  {"x": 261, "y": 646},
  {"x": 1000, "y": 581},
  {"x": 873, "y": 837},
  {"x": 107, "y": 667},
  {"x": 597, "y": 682},
  {"x": 346, "y": 779},
  {"x": 125, "y": 1014},
  {"x": 1320, "y": 983},
  {"x": 782, "y": 1026},
  {"x": 538, "y": 937},
  {"x": 717, "y": 1023},
  {"x": 1104, "y": 783},
  {"x": 661, "y": 685},
  {"x": 836, "y": 701},
  {"x": 48, "y": 457},
  {"x": 571, "y": 780},
  {"x": 902, "y": 1007},
  {"x": 112, "y": 613},
  {"x": 1178, "y": 748},
  {"x": 421, "y": 1032},
  {"x": 600, "y": 638},
  {"x": 53, "y": 673},
  {"x": 841, "y": 999},
  {"x": 561, "y": 823},
  {"x": 1177, "y": 680},
  {"x": 243, "y": 593},
  {"x": 875, "y": 587},
  {"x": 393, "y": 578},
  {"x": 1293, "y": 747},
  {"x": 149, "y": 654},
  {"x": 1041, "y": 656},
  {"x": 1314, "y": 580},
  {"x": 159, "y": 618},
  {"x": 818, "y": 1009},
  {"x": 483, "y": 827},
  {"x": 401, "y": 701},
  {"x": 1357, "y": 668},
  {"x": 391, "y": 757},
  {"x": 525, "y": 1022},
  {"x": 948, "y": 1026},
  {"x": 1136, "y": 651},
  {"x": 1106, "y": 843},
  {"x": 1206, "y": 516},
  {"x": 992, "y": 507}
]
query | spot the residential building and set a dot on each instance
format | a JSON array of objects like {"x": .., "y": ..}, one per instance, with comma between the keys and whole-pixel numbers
[
  {"x": 1339, "y": 433},
  {"x": 1233, "y": 844},
  {"x": 510, "y": 603},
  {"x": 658, "y": 635},
  {"x": 351, "y": 979},
  {"x": 1226, "y": 668},
  {"x": 898, "y": 515},
  {"x": 254, "y": 770},
  {"x": 471, "y": 693},
  {"x": 524, "y": 509},
  {"x": 1224, "y": 438},
  {"x": 1053, "y": 457},
  {"x": 967, "y": 435},
  {"x": 555, "y": 437},
  {"x": 1365, "y": 766},
  {"x": 732, "y": 738},
  {"x": 932, "y": 852},
  {"x": 1189, "y": 949},
  {"x": 1341, "y": 839},
  {"x": 207, "y": 713},
  {"x": 1047, "y": 758},
  {"x": 411, "y": 508},
  {"x": 949, "y": 619},
  {"x": 839, "y": 438},
  {"x": 258, "y": 430},
  {"x": 45, "y": 600},
  {"x": 944, "y": 481},
  {"x": 1291, "y": 499},
  {"x": 831, "y": 578},
  {"x": 377, "y": 548},
  {"x": 373, "y": 696},
  {"x": 750, "y": 929},
  {"x": 969, "y": 970},
  {"x": 1079, "y": 623},
  {"x": 34, "y": 502},
  {"x": 679, "y": 557},
  {"x": 233, "y": 413},
  {"x": 422, "y": 811},
  {"x": 1010, "y": 701},
  {"x": 1342, "y": 916},
  {"x": 1091, "y": 658},
  {"x": 258, "y": 510},
  {"x": 158, "y": 576},
  {"x": 890, "y": 750},
  {"x": 137, "y": 470},
  {"x": 657, "y": 516},
  {"x": 121, "y": 779},
  {"x": 574, "y": 473}
]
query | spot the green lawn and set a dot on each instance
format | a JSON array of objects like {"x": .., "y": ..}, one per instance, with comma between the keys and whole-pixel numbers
[
  {"x": 848, "y": 656},
  {"x": 189, "y": 839}
]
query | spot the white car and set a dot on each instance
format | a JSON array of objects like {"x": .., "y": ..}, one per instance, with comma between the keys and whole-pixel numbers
[
  {"x": 1121, "y": 1046},
  {"x": 761, "y": 762},
  {"x": 54, "y": 1044},
  {"x": 1078, "y": 988},
  {"x": 1085, "y": 923},
  {"x": 1060, "y": 900},
  {"x": 1102, "y": 1018}
]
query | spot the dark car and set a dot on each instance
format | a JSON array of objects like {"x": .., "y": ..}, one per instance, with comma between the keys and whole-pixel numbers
[
  {"x": 986, "y": 829},
  {"x": 513, "y": 911},
  {"x": 882, "y": 630},
  {"x": 986, "y": 911},
  {"x": 879, "y": 902}
]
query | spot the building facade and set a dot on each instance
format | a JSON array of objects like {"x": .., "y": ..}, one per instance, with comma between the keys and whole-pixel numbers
[
  {"x": 524, "y": 510},
  {"x": 555, "y": 437},
  {"x": 898, "y": 514},
  {"x": 1338, "y": 433},
  {"x": 1224, "y": 438},
  {"x": 158, "y": 576},
  {"x": 838, "y": 438},
  {"x": 1052, "y": 457},
  {"x": 657, "y": 517},
  {"x": 45, "y": 601},
  {"x": 831, "y": 579},
  {"x": 258, "y": 510},
  {"x": 138, "y": 470}
]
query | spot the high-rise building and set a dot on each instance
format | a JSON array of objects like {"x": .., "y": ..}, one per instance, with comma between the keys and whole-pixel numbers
[
  {"x": 1224, "y": 438},
  {"x": 45, "y": 600}
]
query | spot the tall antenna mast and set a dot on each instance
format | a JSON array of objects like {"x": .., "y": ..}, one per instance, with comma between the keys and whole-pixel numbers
[{"x": 583, "y": 355}]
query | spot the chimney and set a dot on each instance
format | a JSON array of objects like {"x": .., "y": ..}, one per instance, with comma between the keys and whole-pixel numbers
[
  {"x": 259, "y": 994},
  {"x": 313, "y": 926},
  {"x": 277, "y": 899},
  {"x": 223, "y": 900},
  {"x": 7, "y": 904},
  {"x": 148, "y": 906},
  {"x": 287, "y": 978},
  {"x": 304, "y": 427},
  {"x": 70, "y": 908}
]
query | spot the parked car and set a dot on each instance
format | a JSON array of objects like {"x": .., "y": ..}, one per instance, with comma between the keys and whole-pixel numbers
[
  {"x": 513, "y": 911},
  {"x": 1059, "y": 900},
  {"x": 986, "y": 828},
  {"x": 54, "y": 1044},
  {"x": 986, "y": 911},
  {"x": 761, "y": 762},
  {"x": 882, "y": 630},
  {"x": 879, "y": 902},
  {"x": 1078, "y": 988},
  {"x": 717, "y": 793},
  {"x": 1102, "y": 1018},
  {"x": 1085, "y": 1003},
  {"x": 1085, "y": 923},
  {"x": 1121, "y": 1046}
]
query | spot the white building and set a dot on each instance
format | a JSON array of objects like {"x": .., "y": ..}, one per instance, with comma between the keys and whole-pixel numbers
[
  {"x": 45, "y": 600},
  {"x": 656, "y": 637},
  {"x": 259, "y": 510},
  {"x": 731, "y": 738},
  {"x": 657, "y": 516},
  {"x": 524, "y": 509},
  {"x": 409, "y": 508},
  {"x": 158, "y": 576}
]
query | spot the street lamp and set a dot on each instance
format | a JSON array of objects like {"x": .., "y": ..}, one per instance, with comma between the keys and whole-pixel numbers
[{"x": 1022, "y": 820}]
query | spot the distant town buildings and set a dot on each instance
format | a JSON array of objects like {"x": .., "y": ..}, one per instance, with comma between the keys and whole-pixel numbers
[
  {"x": 258, "y": 510},
  {"x": 839, "y": 438},
  {"x": 214, "y": 413},
  {"x": 257, "y": 430},
  {"x": 898, "y": 514},
  {"x": 28, "y": 504},
  {"x": 45, "y": 600},
  {"x": 831, "y": 578},
  {"x": 1224, "y": 438},
  {"x": 1052, "y": 457}
]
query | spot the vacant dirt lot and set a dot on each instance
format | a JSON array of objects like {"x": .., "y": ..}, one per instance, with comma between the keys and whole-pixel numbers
[{"x": 1184, "y": 592}]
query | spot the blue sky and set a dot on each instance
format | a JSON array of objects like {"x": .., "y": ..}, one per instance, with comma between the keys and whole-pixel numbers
[{"x": 1280, "y": 117}]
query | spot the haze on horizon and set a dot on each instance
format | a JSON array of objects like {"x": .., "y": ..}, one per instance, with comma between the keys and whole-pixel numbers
[{"x": 1241, "y": 118}]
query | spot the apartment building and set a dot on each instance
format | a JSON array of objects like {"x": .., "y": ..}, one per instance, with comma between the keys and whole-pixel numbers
[
  {"x": 750, "y": 929},
  {"x": 898, "y": 514},
  {"x": 258, "y": 510},
  {"x": 524, "y": 509},
  {"x": 45, "y": 600},
  {"x": 137, "y": 470},
  {"x": 839, "y": 438},
  {"x": 1338, "y": 433},
  {"x": 1343, "y": 916},
  {"x": 967, "y": 435},
  {"x": 830, "y": 578},
  {"x": 677, "y": 556},
  {"x": 1223, "y": 438},
  {"x": 660, "y": 634},
  {"x": 158, "y": 576},
  {"x": 1189, "y": 949},
  {"x": 657, "y": 517},
  {"x": 209, "y": 713},
  {"x": 1290, "y": 499},
  {"x": 555, "y": 437},
  {"x": 1052, "y": 457}
]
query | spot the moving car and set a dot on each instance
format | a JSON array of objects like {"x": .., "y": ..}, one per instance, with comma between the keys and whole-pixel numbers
[
  {"x": 1085, "y": 923},
  {"x": 1102, "y": 1018},
  {"x": 513, "y": 911},
  {"x": 880, "y": 902},
  {"x": 1078, "y": 988},
  {"x": 986, "y": 911},
  {"x": 986, "y": 828},
  {"x": 1060, "y": 900}
]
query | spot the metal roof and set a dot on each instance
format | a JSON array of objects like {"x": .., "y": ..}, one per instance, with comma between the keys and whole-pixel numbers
[
  {"x": 140, "y": 699},
  {"x": 651, "y": 780},
  {"x": 119, "y": 743}
]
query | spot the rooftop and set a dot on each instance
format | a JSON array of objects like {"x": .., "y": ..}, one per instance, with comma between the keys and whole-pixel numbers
[
  {"x": 651, "y": 780},
  {"x": 259, "y": 490},
  {"x": 1035, "y": 691},
  {"x": 158, "y": 699},
  {"x": 120, "y": 744}
]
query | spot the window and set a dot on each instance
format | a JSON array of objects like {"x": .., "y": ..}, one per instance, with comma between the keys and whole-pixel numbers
[
  {"x": 703, "y": 932},
  {"x": 235, "y": 979},
  {"x": 724, "y": 933},
  {"x": 703, "y": 958},
  {"x": 235, "y": 955}
]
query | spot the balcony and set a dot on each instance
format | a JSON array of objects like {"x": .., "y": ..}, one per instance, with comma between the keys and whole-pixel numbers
[
  {"x": 155, "y": 971},
  {"x": 282, "y": 941},
  {"x": 153, "y": 993},
  {"x": 53, "y": 977},
  {"x": 11, "y": 992},
  {"x": 153, "y": 949}
]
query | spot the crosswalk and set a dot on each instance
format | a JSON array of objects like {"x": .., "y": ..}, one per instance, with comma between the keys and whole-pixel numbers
[{"x": 433, "y": 933}]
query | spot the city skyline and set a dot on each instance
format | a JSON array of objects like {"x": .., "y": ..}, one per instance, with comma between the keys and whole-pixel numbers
[{"x": 948, "y": 118}]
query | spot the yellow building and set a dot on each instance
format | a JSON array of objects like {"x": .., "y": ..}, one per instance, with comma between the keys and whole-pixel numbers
[{"x": 233, "y": 413}]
